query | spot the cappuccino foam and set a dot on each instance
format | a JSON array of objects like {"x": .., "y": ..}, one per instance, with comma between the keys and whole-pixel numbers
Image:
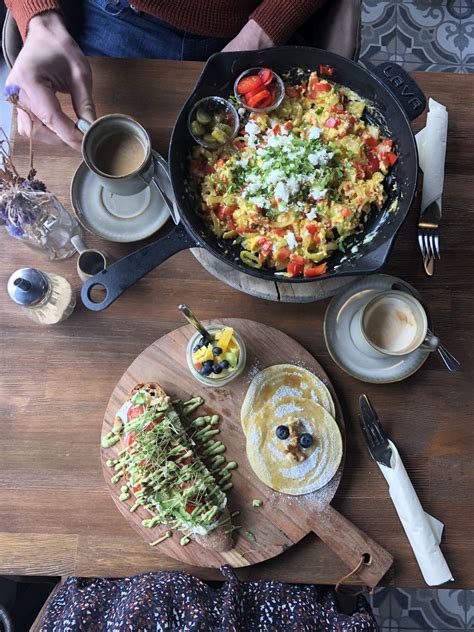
[{"x": 391, "y": 324}]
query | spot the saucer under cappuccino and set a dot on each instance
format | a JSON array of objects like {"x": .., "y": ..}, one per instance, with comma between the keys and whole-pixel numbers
[{"x": 391, "y": 325}]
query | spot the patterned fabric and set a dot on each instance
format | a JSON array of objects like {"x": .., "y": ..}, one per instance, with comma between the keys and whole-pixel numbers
[{"x": 178, "y": 601}]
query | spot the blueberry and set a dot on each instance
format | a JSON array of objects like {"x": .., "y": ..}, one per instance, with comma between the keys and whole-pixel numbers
[
  {"x": 208, "y": 364},
  {"x": 216, "y": 369},
  {"x": 224, "y": 364},
  {"x": 305, "y": 440},
  {"x": 203, "y": 342},
  {"x": 196, "y": 348},
  {"x": 282, "y": 432},
  {"x": 216, "y": 350},
  {"x": 204, "y": 370}
]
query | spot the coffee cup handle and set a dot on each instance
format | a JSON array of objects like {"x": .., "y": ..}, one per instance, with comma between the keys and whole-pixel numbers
[
  {"x": 78, "y": 244},
  {"x": 82, "y": 125},
  {"x": 430, "y": 343}
]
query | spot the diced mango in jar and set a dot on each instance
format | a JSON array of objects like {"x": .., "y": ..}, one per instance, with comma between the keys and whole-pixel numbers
[
  {"x": 224, "y": 337},
  {"x": 203, "y": 354}
]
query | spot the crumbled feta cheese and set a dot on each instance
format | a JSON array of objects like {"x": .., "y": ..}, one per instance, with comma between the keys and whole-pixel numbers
[
  {"x": 281, "y": 192},
  {"x": 314, "y": 133},
  {"x": 241, "y": 111},
  {"x": 274, "y": 176},
  {"x": 312, "y": 214},
  {"x": 318, "y": 194},
  {"x": 291, "y": 240}
]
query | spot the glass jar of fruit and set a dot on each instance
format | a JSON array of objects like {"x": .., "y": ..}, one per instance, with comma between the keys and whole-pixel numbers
[{"x": 218, "y": 361}]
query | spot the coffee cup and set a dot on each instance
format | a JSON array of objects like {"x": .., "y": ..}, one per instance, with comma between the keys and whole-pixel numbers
[
  {"x": 392, "y": 324},
  {"x": 117, "y": 149},
  {"x": 90, "y": 261}
]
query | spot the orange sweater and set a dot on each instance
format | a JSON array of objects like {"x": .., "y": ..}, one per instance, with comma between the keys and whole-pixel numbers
[{"x": 213, "y": 18}]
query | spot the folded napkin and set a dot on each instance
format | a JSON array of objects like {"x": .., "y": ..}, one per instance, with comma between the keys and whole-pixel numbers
[
  {"x": 431, "y": 142},
  {"x": 423, "y": 531}
]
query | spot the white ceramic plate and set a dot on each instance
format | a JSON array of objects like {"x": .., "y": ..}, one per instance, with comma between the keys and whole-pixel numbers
[
  {"x": 339, "y": 342},
  {"x": 121, "y": 218}
]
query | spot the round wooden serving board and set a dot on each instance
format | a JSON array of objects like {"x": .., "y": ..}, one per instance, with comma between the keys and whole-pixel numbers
[{"x": 282, "y": 520}]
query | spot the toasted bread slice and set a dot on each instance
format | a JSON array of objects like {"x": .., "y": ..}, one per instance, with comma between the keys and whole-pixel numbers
[{"x": 219, "y": 538}]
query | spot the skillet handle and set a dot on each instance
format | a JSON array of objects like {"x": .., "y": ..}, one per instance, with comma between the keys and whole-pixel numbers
[
  {"x": 350, "y": 543},
  {"x": 124, "y": 273},
  {"x": 402, "y": 86}
]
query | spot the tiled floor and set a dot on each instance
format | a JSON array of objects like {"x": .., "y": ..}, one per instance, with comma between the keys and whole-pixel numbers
[
  {"x": 398, "y": 609},
  {"x": 435, "y": 35}
]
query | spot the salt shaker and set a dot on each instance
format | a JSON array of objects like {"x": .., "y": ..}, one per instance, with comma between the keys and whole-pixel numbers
[{"x": 45, "y": 298}]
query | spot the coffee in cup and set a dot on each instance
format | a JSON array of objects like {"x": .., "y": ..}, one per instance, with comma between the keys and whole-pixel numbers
[
  {"x": 117, "y": 149},
  {"x": 90, "y": 261},
  {"x": 393, "y": 323}
]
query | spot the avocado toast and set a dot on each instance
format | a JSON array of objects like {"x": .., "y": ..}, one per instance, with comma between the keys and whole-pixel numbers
[{"x": 159, "y": 465}]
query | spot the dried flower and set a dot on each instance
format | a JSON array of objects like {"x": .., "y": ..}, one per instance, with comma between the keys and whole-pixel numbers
[{"x": 12, "y": 92}]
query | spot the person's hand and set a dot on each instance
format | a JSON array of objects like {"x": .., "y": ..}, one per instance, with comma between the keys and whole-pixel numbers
[
  {"x": 50, "y": 62},
  {"x": 251, "y": 37}
]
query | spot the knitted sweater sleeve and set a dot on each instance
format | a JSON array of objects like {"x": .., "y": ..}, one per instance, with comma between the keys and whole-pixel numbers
[
  {"x": 24, "y": 10},
  {"x": 281, "y": 18}
]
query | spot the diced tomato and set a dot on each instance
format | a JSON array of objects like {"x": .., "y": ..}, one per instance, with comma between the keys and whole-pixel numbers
[
  {"x": 313, "y": 271},
  {"x": 219, "y": 163},
  {"x": 190, "y": 507},
  {"x": 208, "y": 169},
  {"x": 326, "y": 70},
  {"x": 134, "y": 412},
  {"x": 312, "y": 228},
  {"x": 370, "y": 142},
  {"x": 288, "y": 125},
  {"x": 296, "y": 265},
  {"x": 129, "y": 439},
  {"x": 256, "y": 99},
  {"x": 316, "y": 239},
  {"x": 266, "y": 76},
  {"x": 225, "y": 211},
  {"x": 360, "y": 171},
  {"x": 249, "y": 83},
  {"x": 279, "y": 231},
  {"x": 372, "y": 166},
  {"x": 319, "y": 86},
  {"x": 292, "y": 92},
  {"x": 331, "y": 122},
  {"x": 240, "y": 144},
  {"x": 346, "y": 212},
  {"x": 276, "y": 129},
  {"x": 385, "y": 145},
  {"x": 198, "y": 366},
  {"x": 137, "y": 488},
  {"x": 265, "y": 246},
  {"x": 389, "y": 158},
  {"x": 283, "y": 253}
]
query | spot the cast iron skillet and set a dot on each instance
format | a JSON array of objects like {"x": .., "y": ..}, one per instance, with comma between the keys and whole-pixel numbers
[{"x": 395, "y": 100}]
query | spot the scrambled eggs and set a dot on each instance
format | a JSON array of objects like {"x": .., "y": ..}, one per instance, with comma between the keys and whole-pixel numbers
[{"x": 297, "y": 181}]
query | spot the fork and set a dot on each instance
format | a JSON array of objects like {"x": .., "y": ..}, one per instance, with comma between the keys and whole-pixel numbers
[
  {"x": 428, "y": 235},
  {"x": 377, "y": 440}
]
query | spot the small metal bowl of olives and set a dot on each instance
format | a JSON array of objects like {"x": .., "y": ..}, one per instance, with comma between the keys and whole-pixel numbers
[{"x": 213, "y": 122}]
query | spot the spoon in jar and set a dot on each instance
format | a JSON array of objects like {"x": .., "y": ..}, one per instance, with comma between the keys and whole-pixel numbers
[
  {"x": 449, "y": 360},
  {"x": 195, "y": 322}
]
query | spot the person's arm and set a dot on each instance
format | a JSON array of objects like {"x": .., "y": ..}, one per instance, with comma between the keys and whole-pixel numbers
[
  {"x": 51, "y": 62},
  {"x": 272, "y": 23},
  {"x": 24, "y": 10}
]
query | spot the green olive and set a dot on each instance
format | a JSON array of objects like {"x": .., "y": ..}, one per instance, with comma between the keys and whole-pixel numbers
[
  {"x": 203, "y": 117},
  {"x": 197, "y": 129},
  {"x": 210, "y": 140},
  {"x": 227, "y": 129},
  {"x": 219, "y": 135}
]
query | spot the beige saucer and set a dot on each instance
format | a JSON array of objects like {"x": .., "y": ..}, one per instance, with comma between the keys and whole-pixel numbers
[{"x": 120, "y": 218}]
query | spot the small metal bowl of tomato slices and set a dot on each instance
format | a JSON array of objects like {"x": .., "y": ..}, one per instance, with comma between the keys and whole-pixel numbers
[
  {"x": 259, "y": 89},
  {"x": 213, "y": 122}
]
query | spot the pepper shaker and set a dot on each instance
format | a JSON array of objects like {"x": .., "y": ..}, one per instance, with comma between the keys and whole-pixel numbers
[{"x": 47, "y": 299}]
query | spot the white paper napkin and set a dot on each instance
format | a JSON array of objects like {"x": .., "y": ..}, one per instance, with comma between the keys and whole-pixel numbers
[
  {"x": 431, "y": 142},
  {"x": 423, "y": 531}
]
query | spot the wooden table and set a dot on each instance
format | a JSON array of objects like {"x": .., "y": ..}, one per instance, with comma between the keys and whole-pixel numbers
[{"x": 56, "y": 516}]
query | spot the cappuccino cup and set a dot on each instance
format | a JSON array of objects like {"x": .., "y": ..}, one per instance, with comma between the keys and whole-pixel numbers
[
  {"x": 392, "y": 324},
  {"x": 117, "y": 149}
]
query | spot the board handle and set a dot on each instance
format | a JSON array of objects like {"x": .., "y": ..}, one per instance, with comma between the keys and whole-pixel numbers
[{"x": 350, "y": 544}]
